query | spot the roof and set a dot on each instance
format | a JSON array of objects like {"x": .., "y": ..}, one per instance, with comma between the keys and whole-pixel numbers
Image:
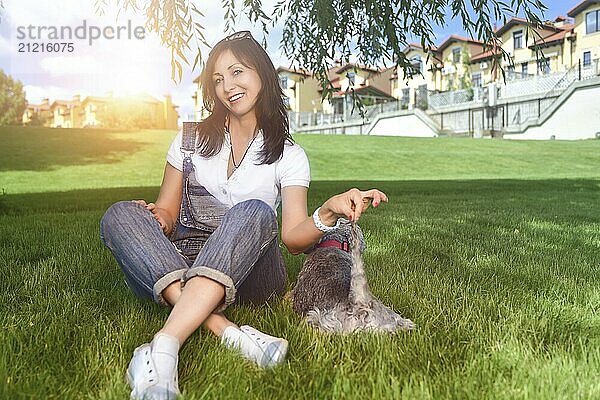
[
  {"x": 300, "y": 71},
  {"x": 96, "y": 99},
  {"x": 368, "y": 89},
  {"x": 42, "y": 106},
  {"x": 457, "y": 38},
  {"x": 335, "y": 84},
  {"x": 355, "y": 66},
  {"x": 581, "y": 7},
  {"x": 521, "y": 21},
  {"x": 554, "y": 38},
  {"x": 63, "y": 103},
  {"x": 486, "y": 55},
  {"x": 417, "y": 46}
]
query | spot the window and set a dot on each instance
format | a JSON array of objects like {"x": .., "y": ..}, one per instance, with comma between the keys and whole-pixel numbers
[
  {"x": 591, "y": 22},
  {"x": 524, "y": 69},
  {"x": 510, "y": 71},
  {"x": 283, "y": 81},
  {"x": 476, "y": 78},
  {"x": 587, "y": 58},
  {"x": 543, "y": 65},
  {"x": 518, "y": 39},
  {"x": 351, "y": 77},
  {"x": 405, "y": 96},
  {"x": 456, "y": 55},
  {"x": 417, "y": 63}
]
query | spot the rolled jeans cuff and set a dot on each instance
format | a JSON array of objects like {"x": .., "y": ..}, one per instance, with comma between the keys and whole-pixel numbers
[
  {"x": 165, "y": 281},
  {"x": 216, "y": 276}
]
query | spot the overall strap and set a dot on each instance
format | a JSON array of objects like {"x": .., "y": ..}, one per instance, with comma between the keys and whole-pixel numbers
[
  {"x": 188, "y": 147},
  {"x": 188, "y": 141}
]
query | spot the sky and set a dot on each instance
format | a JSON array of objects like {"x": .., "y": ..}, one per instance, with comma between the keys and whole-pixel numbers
[{"x": 127, "y": 64}]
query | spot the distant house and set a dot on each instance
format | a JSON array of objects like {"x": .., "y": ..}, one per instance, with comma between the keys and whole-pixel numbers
[
  {"x": 37, "y": 114},
  {"x": 424, "y": 76},
  {"x": 587, "y": 32},
  {"x": 370, "y": 85},
  {"x": 454, "y": 66},
  {"x": 66, "y": 113},
  {"x": 530, "y": 51},
  {"x": 301, "y": 90},
  {"x": 92, "y": 107},
  {"x": 134, "y": 111}
]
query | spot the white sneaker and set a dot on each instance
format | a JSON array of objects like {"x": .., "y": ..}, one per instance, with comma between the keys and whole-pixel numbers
[
  {"x": 266, "y": 351},
  {"x": 152, "y": 372}
]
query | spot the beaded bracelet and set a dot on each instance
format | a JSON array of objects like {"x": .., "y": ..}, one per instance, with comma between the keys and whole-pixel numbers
[{"x": 321, "y": 226}]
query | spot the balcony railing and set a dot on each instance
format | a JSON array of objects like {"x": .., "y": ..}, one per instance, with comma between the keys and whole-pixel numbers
[{"x": 521, "y": 99}]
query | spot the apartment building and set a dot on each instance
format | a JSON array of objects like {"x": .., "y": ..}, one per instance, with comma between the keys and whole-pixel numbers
[
  {"x": 370, "y": 85},
  {"x": 587, "y": 32},
  {"x": 37, "y": 114},
  {"x": 103, "y": 112},
  {"x": 456, "y": 53},
  {"x": 301, "y": 90},
  {"x": 522, "y": 50},
  {"x": 425, "y": 75}
]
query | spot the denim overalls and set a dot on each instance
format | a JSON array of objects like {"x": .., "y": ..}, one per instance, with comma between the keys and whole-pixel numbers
[{"x": 235, "y": 246}]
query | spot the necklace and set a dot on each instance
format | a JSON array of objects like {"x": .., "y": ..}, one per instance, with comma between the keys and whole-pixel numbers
[{"x": 236, "y": 166}]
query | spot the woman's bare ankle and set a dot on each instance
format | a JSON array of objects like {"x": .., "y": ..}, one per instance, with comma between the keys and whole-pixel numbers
[{"x": 217, "y": 323}]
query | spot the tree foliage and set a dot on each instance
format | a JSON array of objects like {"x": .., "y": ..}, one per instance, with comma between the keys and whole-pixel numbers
[
  {"x": 12, "y": 100},
  {"x": 316, "y": 33}
]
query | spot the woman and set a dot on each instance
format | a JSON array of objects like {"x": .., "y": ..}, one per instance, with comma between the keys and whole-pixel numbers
[{"x": 211, "y": 237}]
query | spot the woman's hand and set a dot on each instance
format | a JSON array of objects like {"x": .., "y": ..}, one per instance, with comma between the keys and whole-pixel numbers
[
  {"x": 350, "y": 205},
  {"x": 161, "y": 215}
]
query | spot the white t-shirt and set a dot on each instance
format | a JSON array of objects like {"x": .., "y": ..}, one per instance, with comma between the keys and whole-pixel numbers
[{"x": 248, "y": 181}]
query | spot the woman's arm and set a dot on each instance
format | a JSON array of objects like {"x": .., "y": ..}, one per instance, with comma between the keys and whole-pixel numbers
[
  {"x": 298, "y": 232},
  {"x": 166, "y": 208}
]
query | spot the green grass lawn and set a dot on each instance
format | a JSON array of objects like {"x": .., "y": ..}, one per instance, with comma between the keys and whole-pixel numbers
[{"x": 491, "y": 247}]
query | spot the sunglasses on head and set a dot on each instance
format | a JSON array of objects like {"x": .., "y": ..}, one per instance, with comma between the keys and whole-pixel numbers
[{"x": 241, "y": 35}]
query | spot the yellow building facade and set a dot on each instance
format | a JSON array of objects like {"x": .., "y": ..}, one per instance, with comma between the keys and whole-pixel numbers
[
  {"x": 96, "y": 112},
  {"x": 426, "y": 75},
  {"x": 37, "y": 114},
  {"x": 587, "y": 33},
  {"x": 523, "y": 52},
  {"x": 301, "y": 90},
  {"x": 371, "y": 85},
  {"x": 456, "y": 53},
  {"x": 554, "y": 47}
]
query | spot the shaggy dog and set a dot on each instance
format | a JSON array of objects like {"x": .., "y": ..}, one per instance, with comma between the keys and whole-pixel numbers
[{"x": 332, "y": 290}]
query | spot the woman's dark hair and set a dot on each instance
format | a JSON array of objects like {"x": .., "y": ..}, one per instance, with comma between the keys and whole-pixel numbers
[{"x": 271, "y": 113}]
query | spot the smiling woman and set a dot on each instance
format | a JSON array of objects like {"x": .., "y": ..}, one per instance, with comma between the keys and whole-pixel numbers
[{"x": 210, "y": 240}]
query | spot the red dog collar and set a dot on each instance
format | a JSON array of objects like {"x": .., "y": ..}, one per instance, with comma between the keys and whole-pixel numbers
[{"x": 335, "y": 243}]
